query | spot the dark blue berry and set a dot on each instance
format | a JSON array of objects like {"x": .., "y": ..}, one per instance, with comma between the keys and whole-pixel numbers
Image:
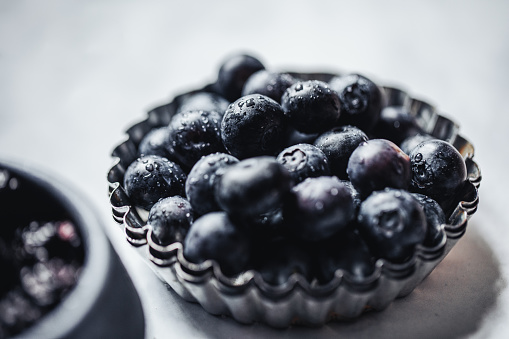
[
  {"x": 338, "y": 145},
  {"x": 201, "y": 181},
  {"x": 214, "y": 236},
  {"x": 155, "y": 142},
  {"x": 311, "y": 106},
  {"x": 347, "y": 251},
  {"x": 151, "y": 178},
  {"x": 170, "y": 219},
  {"x": 396, "y": 123},
  {"x": 377, "y": 164},
  {"x": 435, "y": 218},
  {"x": 203, "y": 101},
  {"x": 267, "y": 83},
  {"x": 253, "y": 187},
  {"x": 319, "y": 207},
  {"x": 304, "y": 161},
  {"x": 194, "y": 134},
  {"x": 253, "y": 125},
  {"x": 438, "y": 170},
  {"x": 361, "y": 100},
  {"x": 233, "y": 74},
  {"x": 392, "y": 222}
]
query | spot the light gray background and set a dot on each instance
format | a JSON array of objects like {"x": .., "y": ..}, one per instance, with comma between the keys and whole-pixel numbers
[{"x": 75, "y": 74}]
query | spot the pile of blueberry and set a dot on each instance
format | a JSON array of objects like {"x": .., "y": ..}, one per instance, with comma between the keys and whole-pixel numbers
[
  {"x": 273, "y": 172},
  {"x": 40, "y": 262}
]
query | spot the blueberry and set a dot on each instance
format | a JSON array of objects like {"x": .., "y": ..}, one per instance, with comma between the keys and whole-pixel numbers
[
  {"x": 377, "y": 164},
  {"x": 214, "y": 236},
  {"x": 438, "y": 170},
  {"x": 361, "y": 100},
  {"x": 203, "y": 101},
  {"x": 151, "y": 178},
  {"x": 170, "y": 219},
  {"x": 347, "y": 251},
  {"x": 396, "y": 123},
  {"x": 194, "y": 134},
  {"x": 253, "y": 187},
  {"x": 234, "y": 72},
  {"x": 253, "y": 125},
  {"x": 155, "y": 142},
  {"x": 304, "y": 161},
  {"x": 267, "y": 83},
  {"x": 411, "y": 142},
  {"x": 392, "y": 222},
  {"x": 319, "y": 207},
  {"x": 201, "y": 181},
  {"x": 338, "y": 145},
  {"x": 311, "y": 106},
  {"x": 435, "y": 218},
  {"x": 278, "y": 259}
]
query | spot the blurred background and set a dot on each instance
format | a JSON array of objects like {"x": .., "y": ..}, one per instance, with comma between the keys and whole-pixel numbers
[{"x": 74, "y": 75}]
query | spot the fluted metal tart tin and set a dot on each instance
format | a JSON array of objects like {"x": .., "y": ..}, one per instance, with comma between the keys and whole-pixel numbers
[{"x": 247, "y": 297}]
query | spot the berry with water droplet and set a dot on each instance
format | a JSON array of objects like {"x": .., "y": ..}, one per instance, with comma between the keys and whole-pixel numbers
[
  {"x": 304, "y": 161},
  {"x": 338, "y": 145},
  {"x": 151, "y": 178},
  {"x": 194, "y": 134},
  {"x": 267, "y": 83},
  {"x": 377, "y": 164},
  {"x": 253, "y": 125},
  {"x": 170, "y": 219},
  {"x": 438, "y": 170},
  {"x": 361, "y": 100},
  {"x": 311, "y": 106},
  {"x": 201, "y": 181},
  {"x": 319, "y": 207},
  {"x": 392, "y": 222}
]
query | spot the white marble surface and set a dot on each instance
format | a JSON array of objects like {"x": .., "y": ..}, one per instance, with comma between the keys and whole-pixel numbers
[{"x": 75, "y": 74}]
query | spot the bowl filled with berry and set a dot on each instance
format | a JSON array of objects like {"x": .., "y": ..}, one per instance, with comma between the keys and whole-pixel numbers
[
  {"x": 293, "y": 198},
  {"x": 60, "y": 275}
]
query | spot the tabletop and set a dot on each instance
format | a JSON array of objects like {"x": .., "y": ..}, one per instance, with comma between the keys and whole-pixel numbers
[{"x": 74, "y": 75}]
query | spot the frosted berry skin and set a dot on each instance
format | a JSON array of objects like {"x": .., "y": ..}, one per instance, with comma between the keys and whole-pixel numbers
[
  {"x": 396, "y": 124},
  {"x": 338, "y": 145},
  {"x": 435, "y": 218},
  {"x": 438, "y": 170},
  {"x": 253, "y": 187},
  {"x": 392, "y": 222},
  {"x": 311, "y": 106},
  {"x": 201, "y": 181},
  {"x": 193, "y": 134},
  {"x": 253, "y": 125},
  {"x": 304, "y": 161},
  {"x": 361, "y": 100},
  {"x": 170, "y": 219},
  {"x": 271, "y": 84},
  {"x": 318, "y": 208},
  {"x": 214, "y": 236},
  {"x": 233, "y": 74},
  {"x": 151, "y": 178},
  {"x": 203, "y": 101},
  {"x": 377, "y": 164}
]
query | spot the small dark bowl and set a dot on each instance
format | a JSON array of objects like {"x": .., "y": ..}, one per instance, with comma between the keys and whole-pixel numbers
[{"x": 103, "y": 303}]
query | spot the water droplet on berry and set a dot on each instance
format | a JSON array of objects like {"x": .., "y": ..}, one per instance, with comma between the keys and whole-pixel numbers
[
  {"x": 149, "y": 167},
  {"x": 299, "y": 87},
  {"x": 334, "y": 191},
  {"x": 319, "y": 205},
  {"x": 250, "y": 102},
  {"x": 418, "y": 157}
]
